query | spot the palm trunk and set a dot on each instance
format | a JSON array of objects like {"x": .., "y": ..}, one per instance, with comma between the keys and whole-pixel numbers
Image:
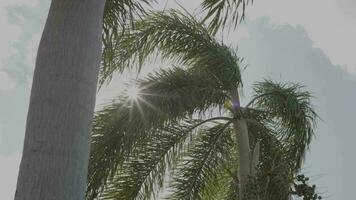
[
  {"x": 243, "y": 145},
  {"x": 244, "y": 153},
  {"x": 57, "y": 139}
]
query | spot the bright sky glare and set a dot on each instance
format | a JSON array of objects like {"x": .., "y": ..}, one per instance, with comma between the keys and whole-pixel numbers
[{"x": 133, "y": 92}]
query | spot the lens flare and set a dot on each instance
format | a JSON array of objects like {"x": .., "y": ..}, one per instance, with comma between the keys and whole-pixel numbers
[{"x": 133, "y": 92}]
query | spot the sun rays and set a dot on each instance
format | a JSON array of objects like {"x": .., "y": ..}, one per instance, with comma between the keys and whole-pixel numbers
[
  {"x": 133, "y": 92},
  {"x": 136, "y": 98}
]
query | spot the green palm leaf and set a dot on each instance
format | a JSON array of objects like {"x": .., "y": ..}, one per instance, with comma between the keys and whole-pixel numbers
[
  {"x": 177, "y": 37},
  {"x": 116, "y": 14},
  {"x": 292, "y": 114},
  {"x": 218, "y": 185},
  {"x": 165, "y": 97},
  {"x": 274, "y": 176},
  {"x": 232, "y": 188},
  {"x": 142, "y": 173},
  {"x": 274, "y": 172},
  {"x": 204, "y": 162},
  {"x": 221, "y": 12}
]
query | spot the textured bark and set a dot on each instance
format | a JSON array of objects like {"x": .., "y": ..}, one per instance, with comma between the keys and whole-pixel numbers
[
  {"x": 57, "y": 139},
  {"x": 243, "y": 144},
  {"x": 255, "y": 159},
  {"x": 244, "y": 154}
]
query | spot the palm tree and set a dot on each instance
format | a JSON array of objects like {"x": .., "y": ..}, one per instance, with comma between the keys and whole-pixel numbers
[
  {"x": 247, "y": 152},
  {"x": 56, "y": 148}
]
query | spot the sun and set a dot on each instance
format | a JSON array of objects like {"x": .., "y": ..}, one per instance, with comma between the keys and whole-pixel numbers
[{"x": 133, "y": 92}]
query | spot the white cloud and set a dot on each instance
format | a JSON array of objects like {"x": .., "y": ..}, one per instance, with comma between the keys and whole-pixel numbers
[
  {"x": 6, "y": 82},
  {"x": 327, "y": 23},
  {"x": 9, "y": 32}
]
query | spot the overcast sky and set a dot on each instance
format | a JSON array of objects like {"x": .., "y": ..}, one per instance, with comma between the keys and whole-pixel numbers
[{"x": 307, "y": 41}]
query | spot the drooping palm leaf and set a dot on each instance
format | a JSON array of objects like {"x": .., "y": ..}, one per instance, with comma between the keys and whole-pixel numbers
[
  {"x": 165, "y": 97},
  {"x": 232, "y": 189},
  {"x": 177, "y": 37},
  {"x": 293, "y": 115},
  {"x": 205, "y": 161},
  {"x": 119, "y": 12},
  {"x": 116, "y": 14},
  {"x": 224, "y": 184},
  {"x": 273, "y": 180},
  {"x": 217, "y": 186},
  {"x": 142, "y": 173},
  {"x": 221, "y": 12}
]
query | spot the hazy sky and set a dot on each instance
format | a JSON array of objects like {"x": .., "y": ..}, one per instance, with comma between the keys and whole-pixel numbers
[{"x": 306, "y": 41}]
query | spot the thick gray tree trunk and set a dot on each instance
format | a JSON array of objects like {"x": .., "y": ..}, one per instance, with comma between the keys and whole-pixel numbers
[{"x": 57, "y": 140}]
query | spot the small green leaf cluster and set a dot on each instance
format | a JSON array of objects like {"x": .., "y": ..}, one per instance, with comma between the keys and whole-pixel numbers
[{"x": 303, "y": 189}]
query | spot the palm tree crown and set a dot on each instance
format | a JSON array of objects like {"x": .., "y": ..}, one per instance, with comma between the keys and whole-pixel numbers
[{"x": 136, "y": 141}]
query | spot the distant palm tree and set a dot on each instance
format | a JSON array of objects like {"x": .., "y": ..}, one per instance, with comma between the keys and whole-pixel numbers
[{"x": 246, "y": 152}]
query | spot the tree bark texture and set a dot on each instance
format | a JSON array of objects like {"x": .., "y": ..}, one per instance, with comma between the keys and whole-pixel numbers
[
  {"x": 57, "y": 139},
  {"x": 244, "y": 155},
  {"x": 243, "y": 144}
]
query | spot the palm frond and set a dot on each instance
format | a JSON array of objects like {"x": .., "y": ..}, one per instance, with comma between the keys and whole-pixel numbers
[
  {"x": 293, "y": 116},
  {"x": 202, "y": 163},
  {"x": 174, "y": 91},
  {"x": 274, "y": 176},
  {"x": 232, "y": 189},
  {"x": 117, "y": 13},
  {"x": 178, "y": 37},
  {"x": 217, "y": 186},
  {"x": 142, "y": 174},
  {"x": 273, "y": 180},
  {"x": 165, "y": 97},
  {"x": 221, "y": 12}
]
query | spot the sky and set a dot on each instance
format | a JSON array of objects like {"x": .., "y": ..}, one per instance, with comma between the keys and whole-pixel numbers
[{"x": 307, "y": 41}]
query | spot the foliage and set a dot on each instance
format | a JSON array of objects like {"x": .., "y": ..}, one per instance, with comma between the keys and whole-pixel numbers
[
  {"x": 209, "y": 157},
  {"x": 147, "y": 164},
  {"x": 116, "y": 14},
  {"x": 302, "y": 189},
  {"x": 203, "y": 163},
  {"x": 137, "y": 141},
  {"x": 165, "y": 98},
  {"x": 178, "y": 37},
  {"x": 221, "y": 12},
  {"x": 293, "y": 116}
]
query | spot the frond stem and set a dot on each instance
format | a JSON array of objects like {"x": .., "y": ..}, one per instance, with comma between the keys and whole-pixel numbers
[
  {"x": 212, "y": 119},
  {"x": 257, "y": 97},
  {"x": 210, "y": 150}
]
